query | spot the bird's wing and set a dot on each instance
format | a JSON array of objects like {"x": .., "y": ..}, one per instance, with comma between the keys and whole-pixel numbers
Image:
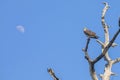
[{"x": 90, "y": 33}]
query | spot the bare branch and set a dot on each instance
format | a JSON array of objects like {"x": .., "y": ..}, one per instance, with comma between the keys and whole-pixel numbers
[
  {"x": 113, "y": 74},
  {"x": 114, "y": 44},
  {"x": 51, "y": 72},
  {"x": 100, "y": 42},
  {"x": 103, "y": 14},
  {"x": 92, "y": 71},
  {"x": 105, "y": 27},
  {"x": 91, "y": 65},
  {"x": 116, "y": 60},
  {"x": 107, "y": 71},
  {"x": 107, "y": 47},
  {"x": 85, "y": 50},
  {"x": 88, "y": 41},
  {"x": 104, "y": 24}
]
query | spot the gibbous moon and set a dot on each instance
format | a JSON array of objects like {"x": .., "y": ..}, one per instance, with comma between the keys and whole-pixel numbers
[{"x": 20, "y": 28}]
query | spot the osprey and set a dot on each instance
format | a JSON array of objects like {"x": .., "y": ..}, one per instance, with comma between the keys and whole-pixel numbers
[{"x": 90, "y": 34}]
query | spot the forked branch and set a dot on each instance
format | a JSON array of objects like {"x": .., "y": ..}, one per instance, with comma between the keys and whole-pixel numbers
[{"x": 107, "y": 47}]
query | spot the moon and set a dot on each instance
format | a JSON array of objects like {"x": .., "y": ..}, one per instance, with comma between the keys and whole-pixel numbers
[{"x": 20, "y": 28}]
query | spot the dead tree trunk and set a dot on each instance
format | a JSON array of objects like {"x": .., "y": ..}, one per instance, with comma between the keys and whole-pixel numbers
[{"x": 105, "y": 47}]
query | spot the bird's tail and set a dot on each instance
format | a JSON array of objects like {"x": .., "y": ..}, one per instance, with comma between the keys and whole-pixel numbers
[{"x": 96, "y": 37}]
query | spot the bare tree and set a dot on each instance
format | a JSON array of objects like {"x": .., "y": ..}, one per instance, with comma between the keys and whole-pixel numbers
[{"x": 105, "y": 46}]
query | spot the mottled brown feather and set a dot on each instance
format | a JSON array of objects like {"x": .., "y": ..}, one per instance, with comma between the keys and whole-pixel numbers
[{"x": 91, "y": 34}]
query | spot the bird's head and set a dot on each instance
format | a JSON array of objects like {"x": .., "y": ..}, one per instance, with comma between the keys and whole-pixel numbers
[{"x": 85, "y": 28}]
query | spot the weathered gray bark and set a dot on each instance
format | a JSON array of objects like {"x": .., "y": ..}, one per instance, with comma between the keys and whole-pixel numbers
[
  {"x": 104, "y": 54},
  {"x": 105, "y": 47}
]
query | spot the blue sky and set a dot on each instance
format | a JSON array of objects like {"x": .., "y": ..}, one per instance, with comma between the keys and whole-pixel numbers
[{"x": 53, "y": 38}]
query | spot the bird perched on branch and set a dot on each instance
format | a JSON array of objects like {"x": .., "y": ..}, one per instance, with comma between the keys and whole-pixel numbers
[{"x": 90, "y": 34}]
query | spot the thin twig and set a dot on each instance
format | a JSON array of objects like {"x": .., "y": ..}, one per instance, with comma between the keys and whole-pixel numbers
[
  {"x": 100, "y": 42},
  {"x": 51, "y": 72},
  {"x": 88, "y": 41},
  {"x": 116, "y": 60},
  {"x": 85, "y": 50}
]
